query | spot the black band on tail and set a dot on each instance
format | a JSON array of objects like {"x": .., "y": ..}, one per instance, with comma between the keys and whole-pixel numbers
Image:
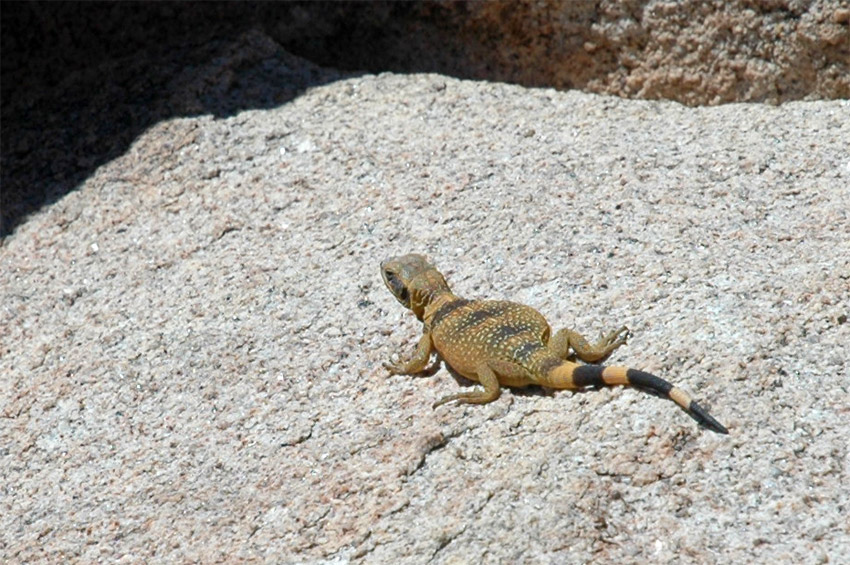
[
  {"x": 591, "y": 375},
  {"x": 588, "y": 375},
  {"x": 641, "y": 379}
]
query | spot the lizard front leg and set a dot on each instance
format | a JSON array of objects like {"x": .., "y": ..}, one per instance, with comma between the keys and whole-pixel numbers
[
  {"x": 565, "y": 339},
  {"x": 417, "y": 363}
]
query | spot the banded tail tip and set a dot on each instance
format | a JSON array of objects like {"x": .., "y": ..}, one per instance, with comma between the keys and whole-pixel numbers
[
  {"x": 599, "y": 375},
  {"x": 705, "y": 419}
]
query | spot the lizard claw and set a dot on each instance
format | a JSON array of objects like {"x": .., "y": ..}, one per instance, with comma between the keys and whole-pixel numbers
[{"x": 615, "y": 338}]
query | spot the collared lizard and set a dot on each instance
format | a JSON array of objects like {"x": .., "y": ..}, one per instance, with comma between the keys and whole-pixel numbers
[{"x": 505, "y": 343}]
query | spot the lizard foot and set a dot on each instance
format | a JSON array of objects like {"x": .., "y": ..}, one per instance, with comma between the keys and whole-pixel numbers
[{"x": 612, "y": 340}]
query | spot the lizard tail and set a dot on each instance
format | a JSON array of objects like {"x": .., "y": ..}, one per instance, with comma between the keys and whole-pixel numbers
[{"x": 569, "y": 375}]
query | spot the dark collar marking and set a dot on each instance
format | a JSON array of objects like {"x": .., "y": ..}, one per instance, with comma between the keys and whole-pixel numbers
[{"x": 447, "y": 309}]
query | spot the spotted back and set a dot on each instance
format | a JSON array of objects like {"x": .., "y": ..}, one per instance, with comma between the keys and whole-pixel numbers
[{"x": 467, "y": 331}]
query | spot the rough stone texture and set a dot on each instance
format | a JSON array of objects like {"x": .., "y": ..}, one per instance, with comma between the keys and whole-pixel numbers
[
  {"x": 191, "y": 341},
  {"x": 695, "y": 52},
  {"x": 84, "y": 79}
]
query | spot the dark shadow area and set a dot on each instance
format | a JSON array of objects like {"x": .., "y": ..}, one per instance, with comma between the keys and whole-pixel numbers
[{"x": 80, "y": 81}]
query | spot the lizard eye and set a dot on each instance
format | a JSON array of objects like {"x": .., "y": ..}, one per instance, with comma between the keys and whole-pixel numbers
[{"x": 397, "y": 287}]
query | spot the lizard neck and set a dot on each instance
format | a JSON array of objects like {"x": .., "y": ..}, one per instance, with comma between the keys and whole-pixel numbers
[
  {"x": 426, "y": 289},
  {"x": 437, "y": 302}
]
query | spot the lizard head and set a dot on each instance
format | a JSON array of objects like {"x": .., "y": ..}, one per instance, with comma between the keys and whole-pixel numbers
[{"x": 413, "y": 281}]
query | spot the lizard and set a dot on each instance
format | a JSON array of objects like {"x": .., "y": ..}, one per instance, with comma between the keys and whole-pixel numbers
[{"x": 499, "y": 343}]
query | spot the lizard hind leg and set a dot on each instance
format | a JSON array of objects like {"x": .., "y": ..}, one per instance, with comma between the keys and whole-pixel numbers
[
  {"x": 566, "y": 339},
  {"x": 488, "y": 373},
  {"x": 491, "y": 391}
]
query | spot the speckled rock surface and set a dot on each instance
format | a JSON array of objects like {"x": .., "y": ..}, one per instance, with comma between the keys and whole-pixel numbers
[
  {"x": 191, "y": 345},
  {"x": 693, "y": 51}
]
